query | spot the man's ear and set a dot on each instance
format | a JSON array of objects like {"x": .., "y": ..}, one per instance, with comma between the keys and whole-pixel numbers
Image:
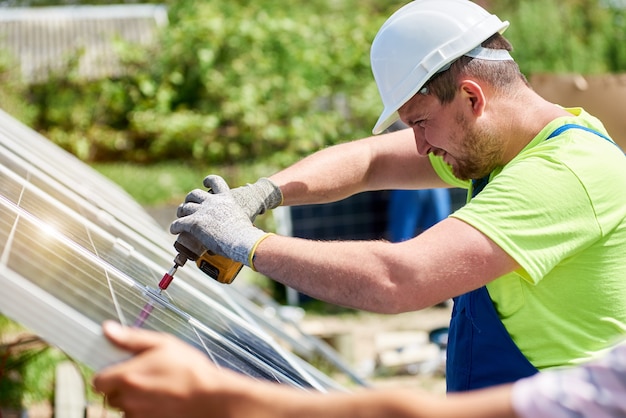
[{"x": 475, "y": 96}]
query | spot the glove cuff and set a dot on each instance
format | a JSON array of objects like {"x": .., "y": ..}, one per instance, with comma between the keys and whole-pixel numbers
[
  {"x": 253, "y": 250},
  {"x": 271, "y": 194}
]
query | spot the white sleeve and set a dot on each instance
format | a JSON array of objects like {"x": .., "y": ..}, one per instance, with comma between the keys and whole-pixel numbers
[{"x": 595, "y": 390}]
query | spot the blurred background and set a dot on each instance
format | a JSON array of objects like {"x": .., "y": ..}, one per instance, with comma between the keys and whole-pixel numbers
[{"x": 156, "y": 96}]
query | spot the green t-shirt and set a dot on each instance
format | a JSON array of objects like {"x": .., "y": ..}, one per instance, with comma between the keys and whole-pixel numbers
[{"x": 559, "y": 209}]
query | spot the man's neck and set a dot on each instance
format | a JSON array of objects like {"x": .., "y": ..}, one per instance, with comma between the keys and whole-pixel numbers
[{"x": 531, "y": 113}]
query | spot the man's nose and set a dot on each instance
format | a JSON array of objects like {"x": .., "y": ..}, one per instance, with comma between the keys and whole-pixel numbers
[{"x": 420, "y": 141}]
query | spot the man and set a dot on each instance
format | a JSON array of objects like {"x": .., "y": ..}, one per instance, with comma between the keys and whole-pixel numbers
[
  {"x": 168, "y": 378},
  {"x": 534, "y": 261}
]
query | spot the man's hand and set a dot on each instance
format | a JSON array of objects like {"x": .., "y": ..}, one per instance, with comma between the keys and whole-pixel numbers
[
  {"x": 218, "y": 221},
  {"x": 165, "y": 378},
  {"x": 256, "y": 198}
]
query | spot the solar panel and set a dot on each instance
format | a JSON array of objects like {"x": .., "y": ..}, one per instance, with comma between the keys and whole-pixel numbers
[{"x": 75, "y": 250}]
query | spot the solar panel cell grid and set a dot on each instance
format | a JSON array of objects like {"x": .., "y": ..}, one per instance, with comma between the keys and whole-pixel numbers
[{"x": 67, "y": 263}]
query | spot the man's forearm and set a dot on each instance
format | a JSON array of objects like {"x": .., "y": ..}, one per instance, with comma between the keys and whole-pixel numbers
[
  {"x": 449, "y": 259},
  {"x": 376, "y": 163},
  {"x": 372, "y": 280},
  {"x": 328, "y": 175},
  {"x": 362, "y": 284},
  {"x": 279, "y": 402}
]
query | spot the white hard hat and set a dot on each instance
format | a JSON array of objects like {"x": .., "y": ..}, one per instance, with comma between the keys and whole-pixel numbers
[{"x": 420, "y": 39}]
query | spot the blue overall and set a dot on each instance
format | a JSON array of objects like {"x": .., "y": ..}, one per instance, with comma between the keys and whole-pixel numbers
[{"x": 480, "y": 351}]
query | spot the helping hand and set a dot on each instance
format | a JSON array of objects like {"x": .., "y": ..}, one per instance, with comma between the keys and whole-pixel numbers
[
  {"x": 218, "y": 221},
  {"x": 165, "y": 378}
]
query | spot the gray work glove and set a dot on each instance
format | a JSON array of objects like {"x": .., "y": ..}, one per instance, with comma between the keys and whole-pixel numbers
[
  {"x": 256, "y": 198},
  {"x": 218, "y": 221}
]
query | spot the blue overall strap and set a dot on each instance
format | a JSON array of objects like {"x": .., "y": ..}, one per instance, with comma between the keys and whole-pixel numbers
[{"x": 558, "y": 131}]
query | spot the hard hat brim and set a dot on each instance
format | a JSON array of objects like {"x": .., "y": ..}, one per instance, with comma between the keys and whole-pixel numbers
[{"x": 386, "y": 119}]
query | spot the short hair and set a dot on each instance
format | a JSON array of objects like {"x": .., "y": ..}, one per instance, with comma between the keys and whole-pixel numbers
[{"x": 500, "y": 74}]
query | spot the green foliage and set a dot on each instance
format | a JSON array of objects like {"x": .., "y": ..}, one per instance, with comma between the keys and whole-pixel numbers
[
  {"x": 227, "y": 82},
  {"x": 155, "y": 184},
  {"x": 555, "y": 36},
  {"x": 26, "y": 367},
  {"x": 13, "y": 97},
  {"x": 233, "y": 82},
  {"x": 39, "y": 375}
]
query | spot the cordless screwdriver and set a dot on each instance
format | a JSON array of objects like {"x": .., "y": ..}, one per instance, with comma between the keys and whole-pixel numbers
[{"x": 218, "y": 267}]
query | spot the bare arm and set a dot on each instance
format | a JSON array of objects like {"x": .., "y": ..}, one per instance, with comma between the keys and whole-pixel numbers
[
  {"x": 404, "y": 403},
  {"x": 167, "y": 378},
  {"x": 376, "y": 163},
  {"x": 447, "y": 260}
]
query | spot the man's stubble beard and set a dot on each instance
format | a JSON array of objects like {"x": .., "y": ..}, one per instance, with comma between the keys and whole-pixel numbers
[{"x": 480, "y": 152}]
